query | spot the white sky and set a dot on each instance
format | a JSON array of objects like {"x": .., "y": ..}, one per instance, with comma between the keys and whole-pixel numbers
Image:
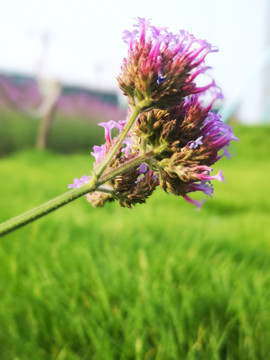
[{"x": 86, "y": 48}]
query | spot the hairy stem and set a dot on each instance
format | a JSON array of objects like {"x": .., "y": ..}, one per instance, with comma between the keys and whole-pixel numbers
[{"x": 44, "y": 209}]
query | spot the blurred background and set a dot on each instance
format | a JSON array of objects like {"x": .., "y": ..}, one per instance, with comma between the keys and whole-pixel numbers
[
  {"x": 161, "y": 281},
  {"x": 60, "y": 59}
]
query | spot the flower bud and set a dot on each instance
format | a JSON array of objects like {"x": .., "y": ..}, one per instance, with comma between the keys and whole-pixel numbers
[{"x": 161, "y": 67}]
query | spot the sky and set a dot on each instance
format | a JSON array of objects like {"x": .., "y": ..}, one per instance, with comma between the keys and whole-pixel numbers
[{"x": 84, "y": 39}]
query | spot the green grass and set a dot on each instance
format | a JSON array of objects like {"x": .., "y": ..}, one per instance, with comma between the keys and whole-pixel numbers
[
  {"x": 161, "y": 281},
  {"x": 67, "y": 134}
]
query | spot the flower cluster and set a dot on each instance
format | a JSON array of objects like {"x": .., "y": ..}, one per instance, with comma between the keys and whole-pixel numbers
[{"x": 176, "y": 136}]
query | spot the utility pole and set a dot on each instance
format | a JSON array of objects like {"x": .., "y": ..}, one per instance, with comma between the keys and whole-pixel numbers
[{"x": 50, "y": 90}]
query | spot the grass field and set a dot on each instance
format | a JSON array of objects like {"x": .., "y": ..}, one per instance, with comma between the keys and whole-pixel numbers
[{"x": 162, "y": 281}]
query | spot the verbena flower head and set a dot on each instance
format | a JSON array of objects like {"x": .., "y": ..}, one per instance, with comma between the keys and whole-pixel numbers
[
  {"x": 161, "y": 66},
  {"x": 176, "y": 134}
]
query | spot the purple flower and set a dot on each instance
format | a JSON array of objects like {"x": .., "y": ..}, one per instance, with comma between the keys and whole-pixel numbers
[
  {"x": 226, "y": 152},
  {"x": 121, "y": 124},
  {"x": 108, "y": 126},
  {"x": 79, "y": 182},
  {"x": 129, "y": 36},
  {"x": 203, "y": 186},
  {"x": 99, "y": 152},
  {"x": 206, "y": 177},
  {"x": 217, "y": 136},
  {"x": 197, "y": 203},
  {"x": 128, "y": 143}
]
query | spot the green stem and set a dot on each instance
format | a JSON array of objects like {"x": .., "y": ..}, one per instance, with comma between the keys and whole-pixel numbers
[
  {"x": 56, "y": 203},
  {"x": 44, "y": 209}
]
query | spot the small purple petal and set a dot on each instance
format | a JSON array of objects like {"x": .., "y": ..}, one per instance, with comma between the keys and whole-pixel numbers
[
  {"x": 99, "y": 152},
  {"x": 194, "y": 202},
  {"x": 217, "y": 135},
  {"x": 127, "y": 141},
  {"x": 156, "y": 31},
  {"x": 108, "y": 126},
  {"x": 203, "y": 186},
  {"x": 161, "y": 79},
  {"x": 207, "y": 177},
  {"x": 226, "y": 152},
  {"x": 143, "y": 168},
  {"x": 79, "y": 182},
  {"x": 121, "y": 124},
  {"x": 129, "y": 35},
  {"x": 219, "y": 176},
  {"x": 196, "y": 143}
]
